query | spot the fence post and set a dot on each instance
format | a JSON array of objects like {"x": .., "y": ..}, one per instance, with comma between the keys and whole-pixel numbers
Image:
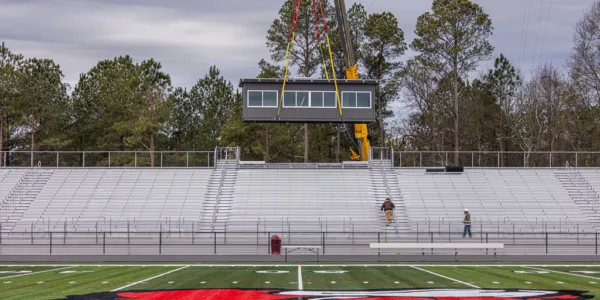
[
  {"x": 104, "y": 242},
  {"x": 550, "y": 159},
  {"x": 161, "y": 159},
  {"x": 32, "y": 233},
  {"x": 50, "y": 242},
  {"x": 193, "y": 235},
  {"x": 57, "y": 164},
  {"x": 498, "y": 159},
  {"x": 84, "y": 159},
  {"x": 160, "y": 243},
  {"x": 187, "y": 159},
  {"x": 135, "y": 159},
  {"x": 109, "y": 159},
  {"x": 576, "y": 159},
  {"x": 546, "y": 243},
  {"x": 378, "y": 249},
  {"x": 215, "y": 242},
  {"x": 323, "y": 237}
]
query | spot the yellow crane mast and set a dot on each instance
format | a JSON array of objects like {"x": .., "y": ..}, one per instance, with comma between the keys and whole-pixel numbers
[{"x": 360, "y": 130}]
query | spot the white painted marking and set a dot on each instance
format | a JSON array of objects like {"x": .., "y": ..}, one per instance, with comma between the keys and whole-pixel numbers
[
  {"x": 528, "y": 282},
  {"x": 40, "y": 282},
  {"x": 365, "y": 282},
  {"x": 104, "y": 282},
  {"x": 330, "y": 272},
  {"x": 14, "y": 272},
  {"x": 36, "y": 272},
  {"x": 560, "y": 282},
  {"x": 72, "y": 282},
  {"x": 333, "y": 282},
  {"x": 267, "y": 282},
  {"x": 446, "y": 277},
  {"x": 397, "y": 282},
  {"x": 593, "y": 282},
  {"x": 495, "y": 282},
  {"x": 531, "y": 272},
  {"x": 202, "y": 282},
  {"x": 300, "y": 284},
  {"x": 148, "y": 279},
  {"x": 272, "y": 272},
  {"x": 235, "y": 282},
  {"x": 171, "y": 282},
  {"x": 430, "y": 282},
  {"x": 7, "y": 282},
  {"x": 566, "y": 273},
  {"x": 388, "y": 266},
  {"x": 586, "y": 272}
]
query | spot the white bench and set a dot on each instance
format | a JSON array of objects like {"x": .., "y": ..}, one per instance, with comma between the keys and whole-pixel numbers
[
  {"x": 432, "y": 246},
  {"x": 292, "y": 248}
]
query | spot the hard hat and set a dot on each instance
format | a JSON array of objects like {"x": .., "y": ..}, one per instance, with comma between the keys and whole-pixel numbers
[{"x": 466, "y": 209}]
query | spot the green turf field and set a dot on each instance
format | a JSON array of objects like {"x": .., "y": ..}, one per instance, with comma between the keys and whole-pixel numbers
[{"x": 292, "y": 281}]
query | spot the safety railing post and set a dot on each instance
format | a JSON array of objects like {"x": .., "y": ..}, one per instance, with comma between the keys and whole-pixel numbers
[
  {"x": 83, "y": 159},
  {"x": 109, "y": 159},
  {"x": 57, "y": 164},
  {"x": 187, "y": 159},
  {"x": 546, "y": 243},
  {"x": 50, "y": 242},
  {"x": 215, "y": 242},
  {"x": 135, "y": 159},
  {"x": 160, "y": 243},
  {"x": 104, "y": 242}
]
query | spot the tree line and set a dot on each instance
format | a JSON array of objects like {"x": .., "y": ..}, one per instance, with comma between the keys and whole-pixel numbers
[{"x": 123, "y": 105}]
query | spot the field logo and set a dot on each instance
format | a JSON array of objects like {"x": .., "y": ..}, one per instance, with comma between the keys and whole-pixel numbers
[{"x": 400, "y": 294}]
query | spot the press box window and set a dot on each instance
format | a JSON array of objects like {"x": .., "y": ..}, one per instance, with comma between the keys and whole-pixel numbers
[
  {"x": 295, "y": 99},
  {"x": 262, "y": 99},
  {"x": 356, "y": 100},
  {"x": 322, "y": 99}
]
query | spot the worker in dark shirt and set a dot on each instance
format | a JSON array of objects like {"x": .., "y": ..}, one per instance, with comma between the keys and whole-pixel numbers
[
  {"x": 467, "y": 222},
  {"x": 388, "y": 206}
]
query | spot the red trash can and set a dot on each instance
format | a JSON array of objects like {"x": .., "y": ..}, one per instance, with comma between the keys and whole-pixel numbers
[{"x": 275, "y": 245}]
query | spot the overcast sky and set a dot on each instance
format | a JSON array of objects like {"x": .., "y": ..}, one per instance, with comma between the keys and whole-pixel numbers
[{"x": 187, "y": 36}]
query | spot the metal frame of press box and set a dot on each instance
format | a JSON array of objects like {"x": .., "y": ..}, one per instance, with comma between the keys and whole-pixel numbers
[{"x": 308, "y": 101}]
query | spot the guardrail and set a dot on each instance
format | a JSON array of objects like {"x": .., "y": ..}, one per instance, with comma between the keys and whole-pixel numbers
[
  {"x": 491, "y": 159},
  {"x": 405, "y": 159},
  {"x": 108, "y": 159},
  {"x": 259, "y": 243},
  {"x": 346, "y": 225}
]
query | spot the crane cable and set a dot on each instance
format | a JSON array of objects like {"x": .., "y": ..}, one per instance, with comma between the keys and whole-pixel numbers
[{"x": 292, "y": 35}]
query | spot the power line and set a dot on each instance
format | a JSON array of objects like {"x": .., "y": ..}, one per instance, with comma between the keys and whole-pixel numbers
[
  {"x": 546, "y": 30},
  {"x": 537, "y": 35},
  {"x": 524, "y": 30}
]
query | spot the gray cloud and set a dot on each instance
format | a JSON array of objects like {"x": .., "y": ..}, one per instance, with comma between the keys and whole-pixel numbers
[{"x": 188, "y": 36}]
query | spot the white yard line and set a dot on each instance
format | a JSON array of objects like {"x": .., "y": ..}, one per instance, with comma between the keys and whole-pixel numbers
[
  {"x": 559, "y": 272},
  {"x": 148, "y": 279},
  {"x": 32, "y": 273},
  {"x": 446, "y": 277},
  {"x": 300, "y": 284}
]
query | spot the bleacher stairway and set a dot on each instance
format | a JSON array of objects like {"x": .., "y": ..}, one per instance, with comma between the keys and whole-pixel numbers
[
  {"x": 216, "y": 207},
  {"x": 385, "y": 185},
  {"x": 581, "y": 191},
  {"x": 21, "y": 196}
]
